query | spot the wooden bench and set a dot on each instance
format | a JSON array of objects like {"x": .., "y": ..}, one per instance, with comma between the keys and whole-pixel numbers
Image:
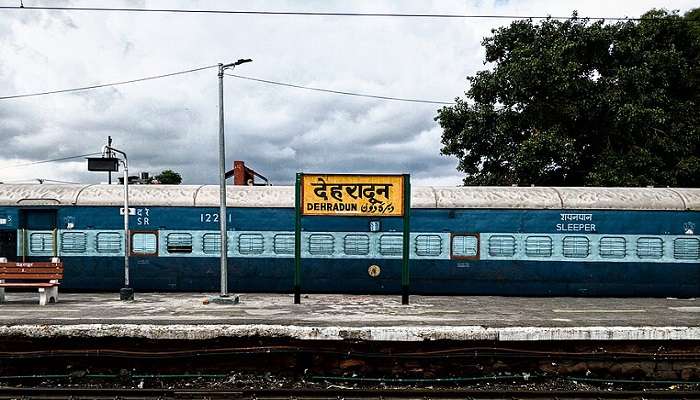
[{"x": 44, "y": 276}]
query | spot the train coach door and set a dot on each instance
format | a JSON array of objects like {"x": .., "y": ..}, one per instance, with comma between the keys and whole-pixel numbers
[
  {"x": 8, "y": 245},
  {"x": 38, "y": 234}
]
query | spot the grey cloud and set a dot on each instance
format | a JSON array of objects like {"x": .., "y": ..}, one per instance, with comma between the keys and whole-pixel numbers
[{"x": 173, "y": 122}]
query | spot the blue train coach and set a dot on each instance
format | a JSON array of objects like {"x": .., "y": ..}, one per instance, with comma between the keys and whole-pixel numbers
[{"x": 528, "y": 241}]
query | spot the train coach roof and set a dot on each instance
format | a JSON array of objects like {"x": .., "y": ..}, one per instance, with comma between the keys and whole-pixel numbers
[{"x": 421, "y": 197}]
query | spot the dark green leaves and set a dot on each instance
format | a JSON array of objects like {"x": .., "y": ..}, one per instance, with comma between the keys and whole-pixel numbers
[{"x": 578, "y": 103}]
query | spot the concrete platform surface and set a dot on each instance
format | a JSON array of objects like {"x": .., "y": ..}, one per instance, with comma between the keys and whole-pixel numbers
[{"x": 339, "y": 317}]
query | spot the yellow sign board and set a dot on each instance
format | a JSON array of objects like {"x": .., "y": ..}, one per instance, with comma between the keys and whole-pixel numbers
[{"x": 352, "y": 195}]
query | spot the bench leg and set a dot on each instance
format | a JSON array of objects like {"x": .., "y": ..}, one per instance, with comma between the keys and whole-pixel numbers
[
  {"x": 53, "y": 296},
  {"x": 2, "y": 294},
  {"x": 42, "y": 296}
]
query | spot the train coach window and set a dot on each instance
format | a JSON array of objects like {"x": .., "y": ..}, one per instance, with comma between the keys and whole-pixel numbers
[
  {"x": 502, "y": 246},
  {"x": 650, "y": 247},
  {"x": 144, "y": 243},
  {"x": 109, "y": 242},
  {"x": 321, "y": 244},
  {"x": 464, "y": 246},
  {"x": 391, "y": 245},
  {"x": 576, "y": 247},
  {"x": 251, "y": 243},
  {"x": 211, "y": 243},
  {"x": 179, "y": 242},
  {"x": 41, "y": 242},
  {"x": 686, "y": 249},
  {"x": 356, "y": 245},
  {"x": 538, "y": 246},
  {"x": 73, "y": 242},
  {"x": 283, "y": 243},
  {"x": 613, "y": 247},
  {"x": 428, "y": 245}
]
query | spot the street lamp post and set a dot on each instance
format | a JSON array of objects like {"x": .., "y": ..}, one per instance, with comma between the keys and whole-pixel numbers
[
  {"x": 110, "y": 164},
  {"x": 222, "y": 178}
]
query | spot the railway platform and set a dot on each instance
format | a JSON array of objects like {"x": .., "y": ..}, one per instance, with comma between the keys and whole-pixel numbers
[
  {"x": 350, "y": 339},
  {"x": 185, "y": 316}
]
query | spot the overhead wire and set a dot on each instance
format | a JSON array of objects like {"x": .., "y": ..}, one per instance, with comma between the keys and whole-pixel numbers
[
  {"x": 346, "y": 93},
  {"x": 373, "y": 96},
  {"x": 328, "y": 13},
  {"x": 17, "y": 96},
  {"x": 48, "y": 161},
  {"x": 40, "y": 180}
]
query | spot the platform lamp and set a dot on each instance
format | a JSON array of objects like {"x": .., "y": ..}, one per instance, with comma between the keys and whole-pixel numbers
[
  {"x": 223, "y": 295},
  {"x": 108, "y": 163}
]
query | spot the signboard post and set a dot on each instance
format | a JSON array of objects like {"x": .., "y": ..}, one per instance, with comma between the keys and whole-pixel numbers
[
  {"x": 406, "y": 238},
  {"x": 297, "y": 239},
  {"x": 352, "y": 196}
]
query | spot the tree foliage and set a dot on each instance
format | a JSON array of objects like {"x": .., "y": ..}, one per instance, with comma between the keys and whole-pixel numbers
[
  {"x": 169, "y": 177},
  {"x": 576, "y": 103}
]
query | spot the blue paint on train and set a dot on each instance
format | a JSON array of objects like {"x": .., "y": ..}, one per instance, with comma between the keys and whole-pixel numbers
[
  {"x": 441, "y": 220},
  {"x": 523, "y": 278},
  {"x": 441, "y": 273}
]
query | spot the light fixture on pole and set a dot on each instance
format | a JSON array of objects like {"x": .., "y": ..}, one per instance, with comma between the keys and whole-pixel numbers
[
  {"x": 110, "y": 164},
  {"x": 223, "y": 216}
]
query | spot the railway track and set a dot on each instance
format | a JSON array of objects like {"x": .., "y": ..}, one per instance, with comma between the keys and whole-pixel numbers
[{"x": 335, "y": 393}]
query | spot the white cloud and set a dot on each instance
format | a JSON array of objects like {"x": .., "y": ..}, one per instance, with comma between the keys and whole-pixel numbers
[{"x": 172, "y": 122}]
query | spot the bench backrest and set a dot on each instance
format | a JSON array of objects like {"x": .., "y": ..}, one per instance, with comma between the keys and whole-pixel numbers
[{"x": 39, "y": 271}]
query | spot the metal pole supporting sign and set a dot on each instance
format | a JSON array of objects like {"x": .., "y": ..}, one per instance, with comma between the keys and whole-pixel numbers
[
  {"x": 297, "y": 238},
  {"x": 406, "y": 238}
]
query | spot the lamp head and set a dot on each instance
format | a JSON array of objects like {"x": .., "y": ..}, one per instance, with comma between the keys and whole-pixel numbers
[{"x": 242, "y": 61}]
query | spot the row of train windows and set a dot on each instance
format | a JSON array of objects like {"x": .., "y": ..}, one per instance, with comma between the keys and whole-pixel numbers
[
  {"x": 610, "y": 247},
  {"x": 247, "y": 243}
]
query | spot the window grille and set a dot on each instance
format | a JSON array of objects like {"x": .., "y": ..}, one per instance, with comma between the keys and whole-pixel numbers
[
  {"x": 283, "y": 244},
  {"x": 576, "y": 247},
  {"x": 144, "y": 243},
  {"x": 179, "y": 242},
  {"x": 109, "y": 242},
  {"x": 686, "y": 249},
  {"x": 428, "y": 245},
  {"x": 464, "y": 246},
  {"x": 502, "y": 246},
  {"x": 356, "y": 245},
  {"x": 73, "y": 242},
  {"x": 650, "y": 247},
  {"x": 321, "y": 244},
  {"x": 251, "y": 243},
  {"x": 41, "y": 242},
  {"x": 613, "y": 247},
  {"x": 391, "y": 245},
  {"x": 211, "y": 243},
  {"x": 538, "y": 246}
]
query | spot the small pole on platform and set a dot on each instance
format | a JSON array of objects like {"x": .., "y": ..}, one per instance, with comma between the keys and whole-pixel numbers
[
  {"x": 406, "y": 237},
  {"x": 127, "y": 292},
  {"x": 297, "y": 238},
  {"x": 109, "y": 163},
  {"x": 109, "y": 144}
]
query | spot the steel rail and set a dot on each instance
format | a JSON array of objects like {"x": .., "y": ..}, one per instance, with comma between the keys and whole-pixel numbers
[{"x": 336, "y": 393}]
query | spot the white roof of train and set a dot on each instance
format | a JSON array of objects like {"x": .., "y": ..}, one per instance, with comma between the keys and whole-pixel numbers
[{"x": 421, "y": 197}]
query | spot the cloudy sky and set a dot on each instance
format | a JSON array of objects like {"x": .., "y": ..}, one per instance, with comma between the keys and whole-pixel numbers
[{"x": 173, "y": 122}]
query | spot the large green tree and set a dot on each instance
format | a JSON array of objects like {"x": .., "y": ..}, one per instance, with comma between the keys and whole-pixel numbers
[{"x": 577, "y": 102}]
